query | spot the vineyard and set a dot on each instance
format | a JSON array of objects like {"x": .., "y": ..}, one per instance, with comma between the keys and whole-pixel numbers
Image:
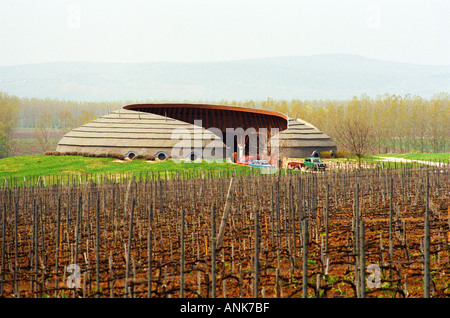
[{"x": 364, "y": 233}]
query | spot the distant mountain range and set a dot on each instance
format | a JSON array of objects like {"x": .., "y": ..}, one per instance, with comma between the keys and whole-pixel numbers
[{"x": 302, "y": 77}]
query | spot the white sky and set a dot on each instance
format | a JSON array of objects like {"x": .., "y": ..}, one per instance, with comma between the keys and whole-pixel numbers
[{"x": 34, "y": 31}]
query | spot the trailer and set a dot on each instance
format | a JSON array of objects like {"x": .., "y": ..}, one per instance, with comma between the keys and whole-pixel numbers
[{"x": 295, "y": 165}]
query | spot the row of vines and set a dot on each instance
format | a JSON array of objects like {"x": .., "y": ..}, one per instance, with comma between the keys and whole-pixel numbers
[{"x": 368, "y": 233}]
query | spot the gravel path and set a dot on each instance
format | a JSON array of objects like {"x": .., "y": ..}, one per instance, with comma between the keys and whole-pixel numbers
[{"x": 431, "y": 163}]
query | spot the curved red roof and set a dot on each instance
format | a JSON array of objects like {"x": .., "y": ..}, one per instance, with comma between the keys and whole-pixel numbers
[{"x": 218, "y": 116}]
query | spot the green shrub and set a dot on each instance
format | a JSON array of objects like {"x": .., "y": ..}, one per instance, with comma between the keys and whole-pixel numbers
[
  {"x": 326, "y": 154},
  {"x": 341, "y": 154}
]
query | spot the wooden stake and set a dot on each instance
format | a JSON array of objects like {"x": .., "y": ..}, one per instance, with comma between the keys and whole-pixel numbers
[
  {"x": 305, "y": 258},
  {"x": 226, "y": 213},
  {"x": 256, "y": 257},
  {"x": 213, "y": 251},
  {"x": 182, "y": 256},
  {"x": 427, "y": 277}
]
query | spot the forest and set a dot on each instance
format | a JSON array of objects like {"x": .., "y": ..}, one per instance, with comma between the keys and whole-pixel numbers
[{"x": 392, "y": 123}]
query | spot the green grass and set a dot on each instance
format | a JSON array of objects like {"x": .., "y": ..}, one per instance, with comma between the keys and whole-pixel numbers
[
  {"x": 14, "y": 169},
  {"x": 375, "y": 159},
  {"x": 435, "y": 157},
  {"x": 47, "y": 165}
]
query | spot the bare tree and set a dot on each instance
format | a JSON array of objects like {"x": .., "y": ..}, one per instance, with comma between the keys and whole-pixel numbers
[
  {"x": 356, "y": 135},
  {"x": 43, "y": 128}
]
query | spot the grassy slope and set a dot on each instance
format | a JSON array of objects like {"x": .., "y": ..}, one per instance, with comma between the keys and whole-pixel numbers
[{"x": 52, "y": 165}]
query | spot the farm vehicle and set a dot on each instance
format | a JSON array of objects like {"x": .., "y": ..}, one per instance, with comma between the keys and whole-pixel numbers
[
  {"x": 314, "y": 163},
  {"x": 309, "y": 163},
  {"x": 295, "y": 165}
]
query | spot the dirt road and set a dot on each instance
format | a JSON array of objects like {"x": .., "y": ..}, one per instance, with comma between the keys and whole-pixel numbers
[{"x": 431, "y": 163}]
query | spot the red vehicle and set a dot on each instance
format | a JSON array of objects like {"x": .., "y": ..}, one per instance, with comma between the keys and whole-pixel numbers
[
  {"x": 245, "y": 160},
  {"x": 249, "y": 159},
  {"x": 295, "y": 165}
]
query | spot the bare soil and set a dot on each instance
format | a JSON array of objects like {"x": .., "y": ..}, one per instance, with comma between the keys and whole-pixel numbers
[{"x": 282, "y": 202}]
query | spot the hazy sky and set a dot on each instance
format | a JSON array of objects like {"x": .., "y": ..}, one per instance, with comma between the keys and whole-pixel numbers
[{"x": 33, "y": 31}]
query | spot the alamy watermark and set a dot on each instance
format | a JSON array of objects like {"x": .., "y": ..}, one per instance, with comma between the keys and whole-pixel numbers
[
  {"x": 73, "y": 16},
  {"x": 237, "y": 144},
  {"x": 74, "y": 280},
  {"x": 374, "y": 279},
  {"x": 373, "y": 20}
]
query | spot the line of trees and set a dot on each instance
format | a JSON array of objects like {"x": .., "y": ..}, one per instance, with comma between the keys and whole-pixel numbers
[
  {"x": 65, "y": 114},
  {"x": 9, "y": 110},
  {"x": 391, "y": 123},
  {"x": 396, "y": 123},
  {"x": 43, "y": 116},
  {"x": 386, "y": 123},
  {"x": 63, "y": 120}
]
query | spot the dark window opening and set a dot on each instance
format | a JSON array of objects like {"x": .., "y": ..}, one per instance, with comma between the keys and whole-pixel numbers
[
  {"x": 193, "y": 156},
  {"x": 315, "y": 154},
  {"x": 131, "y": 155},
  {"x": 161, "y": 155}
]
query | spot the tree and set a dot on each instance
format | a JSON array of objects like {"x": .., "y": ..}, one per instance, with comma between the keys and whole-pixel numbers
[
  {"x": 249, "y": 103},
  {"x": 438, "y": 132},
  {"x": 419, "y": 119},
  {"x": 9, "y": 110},
  {"x": 66, "y": 121},
  {"x": 42, "y": 129},
  {"x": 296, "y": 108},
  {"x": 382, "y": 124},
  {"x": 86, "y": 117},
  {"x": 282, "y": 107},
  {"x": 357, "y": 136},
  {"x": 355, "y": 132}
]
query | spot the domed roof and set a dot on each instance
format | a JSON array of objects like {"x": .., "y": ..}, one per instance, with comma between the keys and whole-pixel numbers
[
  {"x": 301, "y": 139},
  {"x": 184, "y": 130},
  {"x": 140, "y": 133}
]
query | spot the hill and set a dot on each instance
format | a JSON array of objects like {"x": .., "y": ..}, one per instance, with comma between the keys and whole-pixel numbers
[{"x": 303, "y": 77}]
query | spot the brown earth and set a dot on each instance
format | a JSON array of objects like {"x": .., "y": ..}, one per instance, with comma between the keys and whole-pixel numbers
[{"x": 280, "y": 249}]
